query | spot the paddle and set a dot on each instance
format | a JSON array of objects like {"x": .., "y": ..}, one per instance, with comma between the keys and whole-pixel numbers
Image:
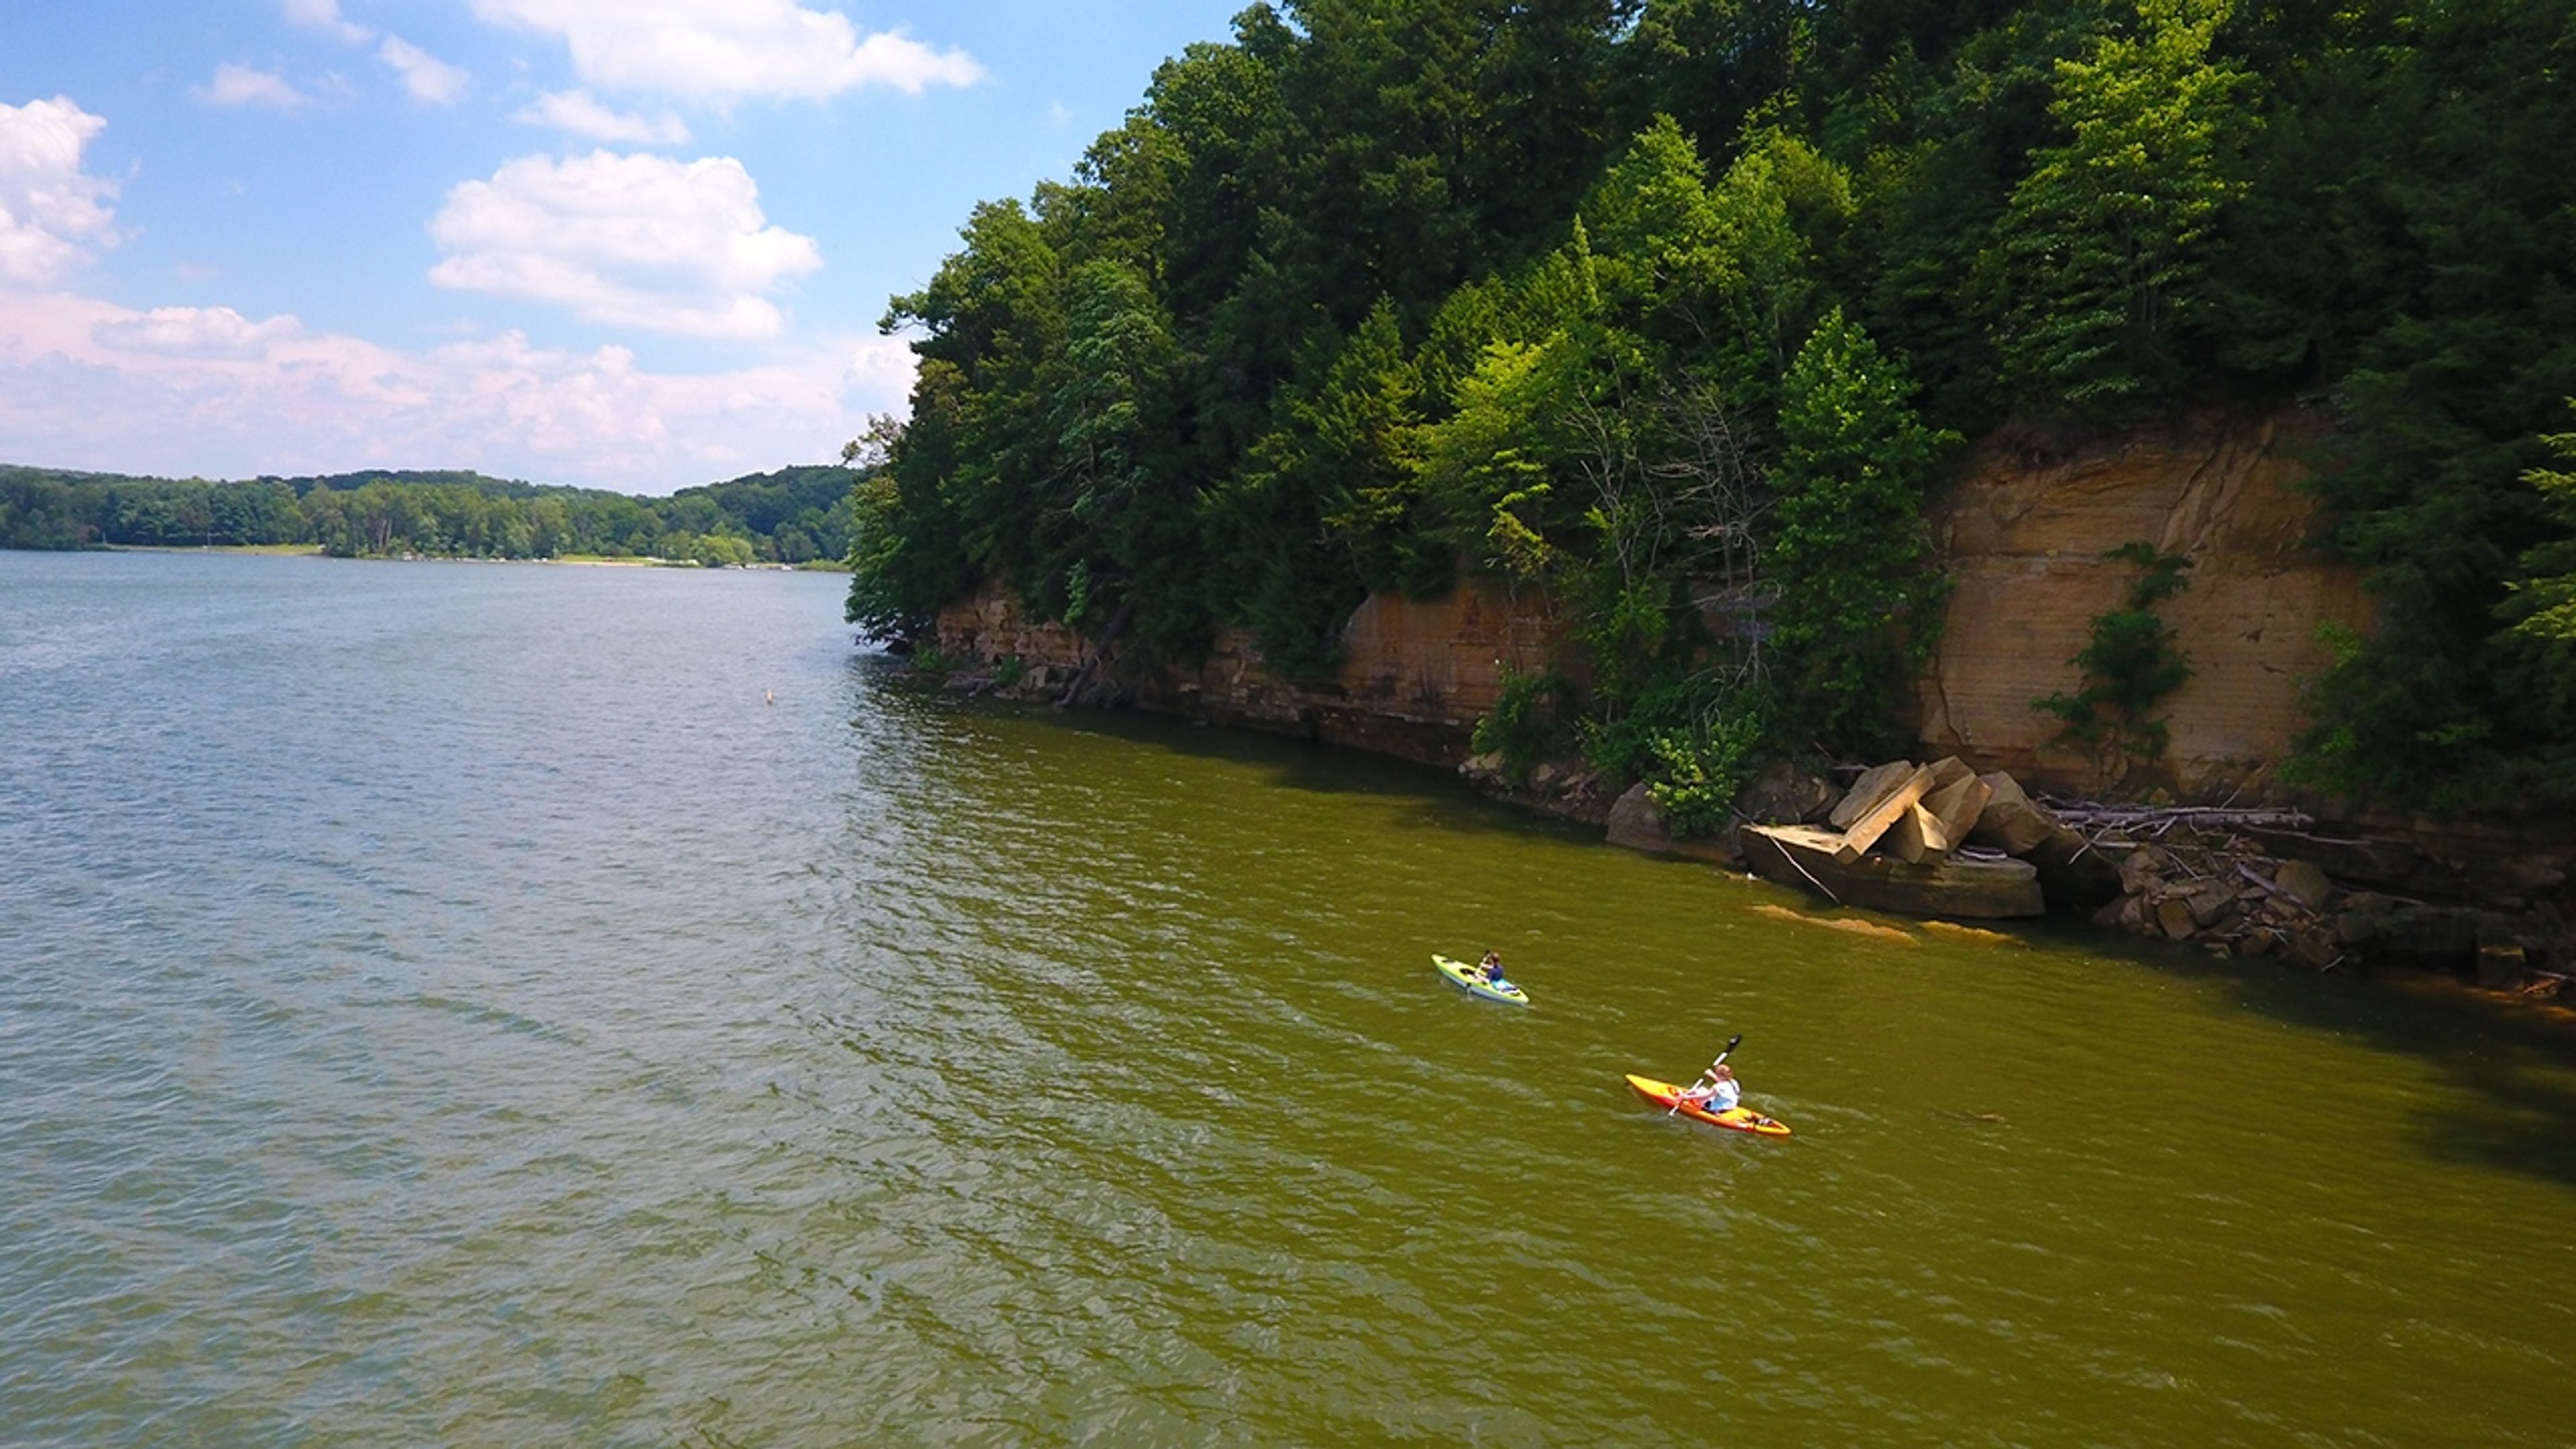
[{"x": 1731, "y": 1044}]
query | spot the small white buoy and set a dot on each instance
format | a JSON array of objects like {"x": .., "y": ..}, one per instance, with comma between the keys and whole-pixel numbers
[{"x": 769, "y": 696}]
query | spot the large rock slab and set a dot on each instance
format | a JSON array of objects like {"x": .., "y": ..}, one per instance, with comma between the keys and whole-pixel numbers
[
  {"x": 1880, "y": 818},
  {"x": 1958, "y": 806},
  {"x": 2408, "y": 933},
  {"x": 1916, "y": 836},
  {"x": 2304, "y": 882},
  {"x": 1807, "y": 858},
  {"x": 1874, "y": 785}
]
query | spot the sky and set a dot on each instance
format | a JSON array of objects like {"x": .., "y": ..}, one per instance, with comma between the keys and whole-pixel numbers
[{"x": 628, "y": 244}]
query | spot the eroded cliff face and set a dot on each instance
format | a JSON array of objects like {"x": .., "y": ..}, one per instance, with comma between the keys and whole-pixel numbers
[
  {"x": 1414, "y": 679},
  {"x": 2022, "y": 535}
]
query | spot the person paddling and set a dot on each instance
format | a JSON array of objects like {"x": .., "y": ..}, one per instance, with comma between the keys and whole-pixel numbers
[
  {"x": 1716, "y": 1090},
  {"x": 1716, "y": 1085},
  {"x": 1490, "y": 970}
]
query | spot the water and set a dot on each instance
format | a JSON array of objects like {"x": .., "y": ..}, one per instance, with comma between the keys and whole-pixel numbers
[{"x": 446, "y": 1004}]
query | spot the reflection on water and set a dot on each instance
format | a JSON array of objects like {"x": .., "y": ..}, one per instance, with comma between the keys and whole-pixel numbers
[{"x": 448, "y": 1004}]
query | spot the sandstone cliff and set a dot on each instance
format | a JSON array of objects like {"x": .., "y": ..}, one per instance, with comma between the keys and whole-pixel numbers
[
  {"x": 2023, "y": 533},
  {"x": 1414, "y": 679}
]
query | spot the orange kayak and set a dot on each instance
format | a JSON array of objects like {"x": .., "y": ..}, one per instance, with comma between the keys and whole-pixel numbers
[{"x": 1734, "y": 1119}]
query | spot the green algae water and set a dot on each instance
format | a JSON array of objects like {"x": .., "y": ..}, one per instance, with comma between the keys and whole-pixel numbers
[{"x": 445, "y": 1004}]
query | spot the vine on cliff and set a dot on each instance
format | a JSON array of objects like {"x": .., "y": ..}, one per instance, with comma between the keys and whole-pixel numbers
[{"x": 2130, "y": 664}]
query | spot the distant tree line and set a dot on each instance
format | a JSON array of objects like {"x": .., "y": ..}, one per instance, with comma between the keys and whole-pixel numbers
[
  {"x": 792, "y": 516},
  {"x": 1678, "y": 307}
]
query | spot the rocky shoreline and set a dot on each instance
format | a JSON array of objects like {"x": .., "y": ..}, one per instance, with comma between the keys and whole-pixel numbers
[
  {"x": 2471, "y": 901},
  {"x": 2253, "y": 883}
]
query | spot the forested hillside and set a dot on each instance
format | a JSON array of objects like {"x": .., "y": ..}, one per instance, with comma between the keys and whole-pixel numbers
[
  {"x": 795, "y": 515},
  {"x": 1678, "y": 308}
]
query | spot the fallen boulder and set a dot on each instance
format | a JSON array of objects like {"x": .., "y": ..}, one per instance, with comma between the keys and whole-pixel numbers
[
  {"x": 2008, "y": 821},
  {"x": 1638, "y": 823},
  {"x": 2306, "y": 882}
]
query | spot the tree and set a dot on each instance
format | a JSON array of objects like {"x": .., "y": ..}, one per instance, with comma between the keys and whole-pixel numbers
[
  {"x": 40, "y": 513},
  {"x": 2450, "y": 209},
  {"x": 1328, "y": 504},
  {"x": 1550, "y": 287},
  {"x": 1490, "y": 466},
  {"x": 1849, "y": 560},
  {"x": 1119, "y": 523},
  {"x": 2106, "y": 238},
  {"x": 2539, "y": 654},
  {"x": 2544, "y": 606}
]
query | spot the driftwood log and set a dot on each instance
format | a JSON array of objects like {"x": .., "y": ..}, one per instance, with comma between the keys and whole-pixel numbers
[{"x": 2157, "y": 819}]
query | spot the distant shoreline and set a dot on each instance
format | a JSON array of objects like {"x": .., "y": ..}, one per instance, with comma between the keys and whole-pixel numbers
[
  {"x": 308, "y": 550},
  {"x": 798, "y": 515}
]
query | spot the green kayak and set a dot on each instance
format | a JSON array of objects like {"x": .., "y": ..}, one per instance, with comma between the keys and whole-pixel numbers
[{"x": 1463, "y": 975}]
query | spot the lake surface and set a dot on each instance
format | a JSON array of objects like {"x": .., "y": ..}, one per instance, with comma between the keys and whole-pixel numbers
[{"x": 448, "y": 1004}]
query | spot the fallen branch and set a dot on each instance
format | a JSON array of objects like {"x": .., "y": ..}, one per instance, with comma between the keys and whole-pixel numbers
[
  {"x": 2255, "y": 878},
  {"x": 2083, "y": 814},
  {"x": 1073, "y": 692}
]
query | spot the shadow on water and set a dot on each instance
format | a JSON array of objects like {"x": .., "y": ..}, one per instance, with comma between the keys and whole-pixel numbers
[
  {"x": 1439, "y": 800},
  {"x": 2516, "y": 1059}
]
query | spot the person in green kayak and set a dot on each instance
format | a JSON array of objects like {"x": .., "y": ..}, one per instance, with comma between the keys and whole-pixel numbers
[
  {"x": 1490, "y": 970},
  {"x": 1715, "y": 1091}
]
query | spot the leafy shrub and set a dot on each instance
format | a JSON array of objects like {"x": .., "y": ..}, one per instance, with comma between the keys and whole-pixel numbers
[
  {"x": 1702, "y": 769},
  {"x": 1527, "y": 723},
  {"x": 1694, "y": 742}
]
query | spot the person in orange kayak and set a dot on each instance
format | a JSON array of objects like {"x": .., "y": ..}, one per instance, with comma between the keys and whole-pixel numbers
[{"x": 1715, "y": 1091}]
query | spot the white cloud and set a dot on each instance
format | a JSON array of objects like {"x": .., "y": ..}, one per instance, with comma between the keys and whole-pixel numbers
[
  {"x": 722, "y": 50},
  {"x": 239, "y": 85},
  {"x": 426, "y": 76},
  {"x": 577, "y": 112},
  {"x": 50, "y": 210},
  {"x": 646, "y": 241},
  {"x": 305, "y": 402},
  {"x": 324, "y": 16},
  {"x": 193, "y": 332}
]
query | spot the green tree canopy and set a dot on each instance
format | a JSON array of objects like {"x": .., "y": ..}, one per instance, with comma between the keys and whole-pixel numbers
[{"x": 1675, "y": 308}]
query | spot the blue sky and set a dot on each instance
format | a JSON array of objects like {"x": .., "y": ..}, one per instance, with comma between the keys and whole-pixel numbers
[{"x": 632, "y": 244}]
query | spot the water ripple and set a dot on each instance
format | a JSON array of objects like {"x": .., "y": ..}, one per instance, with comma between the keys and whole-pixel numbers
[{"x": 447, "y": 1005}]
